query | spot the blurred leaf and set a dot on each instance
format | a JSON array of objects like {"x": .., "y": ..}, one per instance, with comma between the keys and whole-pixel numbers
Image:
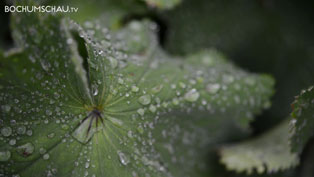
[
  {"x": 302, "y": 125},
  {"x": 269, "y": 36},
  {"x": 268, "y": 153},
  {"x": 162, "y": 4}
]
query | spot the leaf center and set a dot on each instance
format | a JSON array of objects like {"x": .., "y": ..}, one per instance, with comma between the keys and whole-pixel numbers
[{"x": 88, "y": 126}]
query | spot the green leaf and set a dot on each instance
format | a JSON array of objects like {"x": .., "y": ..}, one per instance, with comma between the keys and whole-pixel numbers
[
  {"x": 268, "y": 153},
  {"x": 256, "y": 42},
  {"x": 301, "y": 119},
  {"x": 133, "y": 110},
  {"x": 163, "y": 4}
]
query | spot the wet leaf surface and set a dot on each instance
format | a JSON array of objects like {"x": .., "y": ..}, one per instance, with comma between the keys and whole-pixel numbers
[
  {"x": 301, "y": 119},
  {"x": 133, "y": 111}
]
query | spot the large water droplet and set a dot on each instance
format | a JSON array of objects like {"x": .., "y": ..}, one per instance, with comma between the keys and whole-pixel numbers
[
  {"x": 192, "y": 95},
  {"x": 123, "y": 158},
  {"x": 212, "y": 88},
  {"x": 21, "y": 130},
  {"x": 145, "y": 99},
  {"x": 134, "y": 88},
  {"x": 6, "y": 131},
  {"x": 26, "y": 149},
  {"x": 5, "y": 156}
]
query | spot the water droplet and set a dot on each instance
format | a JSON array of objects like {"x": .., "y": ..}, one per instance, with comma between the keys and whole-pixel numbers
[
  {"x": 6, "y": 131},
  {"x": 56, "y": 95},
  {"x": 157, "y": 89},
  {"x": 5, "y": 156},
  {"x": 212, "y": 88},
  {"x": 65, "y": 126},
  {"x": 293, "y": 121},
  {"x": 48, "y": 112},
  {"x": 123, "y": 158},
  {"x": 42, "y": 151},
  {"x": 46, "y": 156},
  {"x": 21, "y": 130},
  {"x": 95, "y": 90},
  {"x": 12, "y": 142},
  {"x": 25, "y": 149},
  {"x": 175, "y": 101},
  {"x": 16, "y": 101},
  {"x": 120, "y": 80},
  {"x": 29, "y": 132},
  {"x": 134, "y": 88},
  {"x": 87, "y": 165},
  {"x": 182, "y": 85},
  {"x": 191, "y": 95},
  {"x": 140, "y": 129},
  {"x": 69, "y": 41},
  {"x": 45, "y": 65},
  {"x": 145, "y": 99},
  {"x": 51, "y": 101},
  {"x": 113, "y": 62},
  {"x": 141, "y": 111},
  {"x": 6, "y": 108},
  {"x": 130, "y": 134},
  {"x": 152, "y": 108}
]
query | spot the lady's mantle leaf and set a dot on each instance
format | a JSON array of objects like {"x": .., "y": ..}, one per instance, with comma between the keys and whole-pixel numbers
[
  {"x": 135, "y": 112},
  {"x": 269, "y": 152},
  {"x": 302, "y": 126}
]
